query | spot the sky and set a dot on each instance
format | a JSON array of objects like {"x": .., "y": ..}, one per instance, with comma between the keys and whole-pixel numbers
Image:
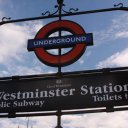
[{"x": 110, "y": 50}]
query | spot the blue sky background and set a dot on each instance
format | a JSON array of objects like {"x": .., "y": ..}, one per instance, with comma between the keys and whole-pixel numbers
[{"x": 110, "y": 49}]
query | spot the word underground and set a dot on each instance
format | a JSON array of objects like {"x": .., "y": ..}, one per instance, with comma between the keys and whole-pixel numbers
[
  {"x": 58, "y": 41},
  {"x": 109, "y": 92}
]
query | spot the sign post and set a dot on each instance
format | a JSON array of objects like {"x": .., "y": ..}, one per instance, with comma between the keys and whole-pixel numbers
[{"x": 77, "y": 42}]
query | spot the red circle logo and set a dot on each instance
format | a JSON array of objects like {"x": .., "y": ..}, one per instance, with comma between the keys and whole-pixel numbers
[{"x": 65, "y": 59}]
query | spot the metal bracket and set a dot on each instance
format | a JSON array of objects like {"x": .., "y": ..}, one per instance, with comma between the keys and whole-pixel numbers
[
  {"x": 71, "y": 12},
  {"x": 110, "y": 109},
  {"x": 11, "y": 115},
  {"x": 120, "y": 5},
  {"x": 60, "y": 4},
  {"x": 6, "y": 19},
  {"x": 15, "y": 78}
]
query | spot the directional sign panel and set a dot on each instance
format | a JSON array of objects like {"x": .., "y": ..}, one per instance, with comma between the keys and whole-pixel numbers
[{"x": 72, "y": 91}]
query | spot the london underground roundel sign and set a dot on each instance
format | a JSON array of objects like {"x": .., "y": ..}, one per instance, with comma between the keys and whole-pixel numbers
[{"x": 42, "y": 42}]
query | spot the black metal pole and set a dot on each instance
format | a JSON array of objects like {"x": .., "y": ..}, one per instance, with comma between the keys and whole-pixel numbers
[
  {"x": 60, "y": 3},
  {"x": 59, "y": 120}
]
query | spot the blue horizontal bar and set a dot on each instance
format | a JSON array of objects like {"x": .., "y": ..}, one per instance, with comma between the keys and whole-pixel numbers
[{"x": 60, "y": 42}]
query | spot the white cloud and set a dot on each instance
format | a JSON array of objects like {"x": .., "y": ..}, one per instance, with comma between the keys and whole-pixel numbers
[
  {"x": 123, "y": 34},
  {"x": 81, "y": 61},
  {"x": 101, "y": 120},
  {"x": 13, "y": 39},
  {"x": 33, "y": 27},
  {"x": 116, "y": 30},
  {"x": 24, "y": 70},
  {"x": 13, "y": 49},
  {"x": 118, "y": 59},
  {"x": 36, "y": 122}
]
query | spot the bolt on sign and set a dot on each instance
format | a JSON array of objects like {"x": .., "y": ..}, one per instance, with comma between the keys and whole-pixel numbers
[
  {"x": 70, "y": 92},
  {"x": 77, "y": 41}
]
